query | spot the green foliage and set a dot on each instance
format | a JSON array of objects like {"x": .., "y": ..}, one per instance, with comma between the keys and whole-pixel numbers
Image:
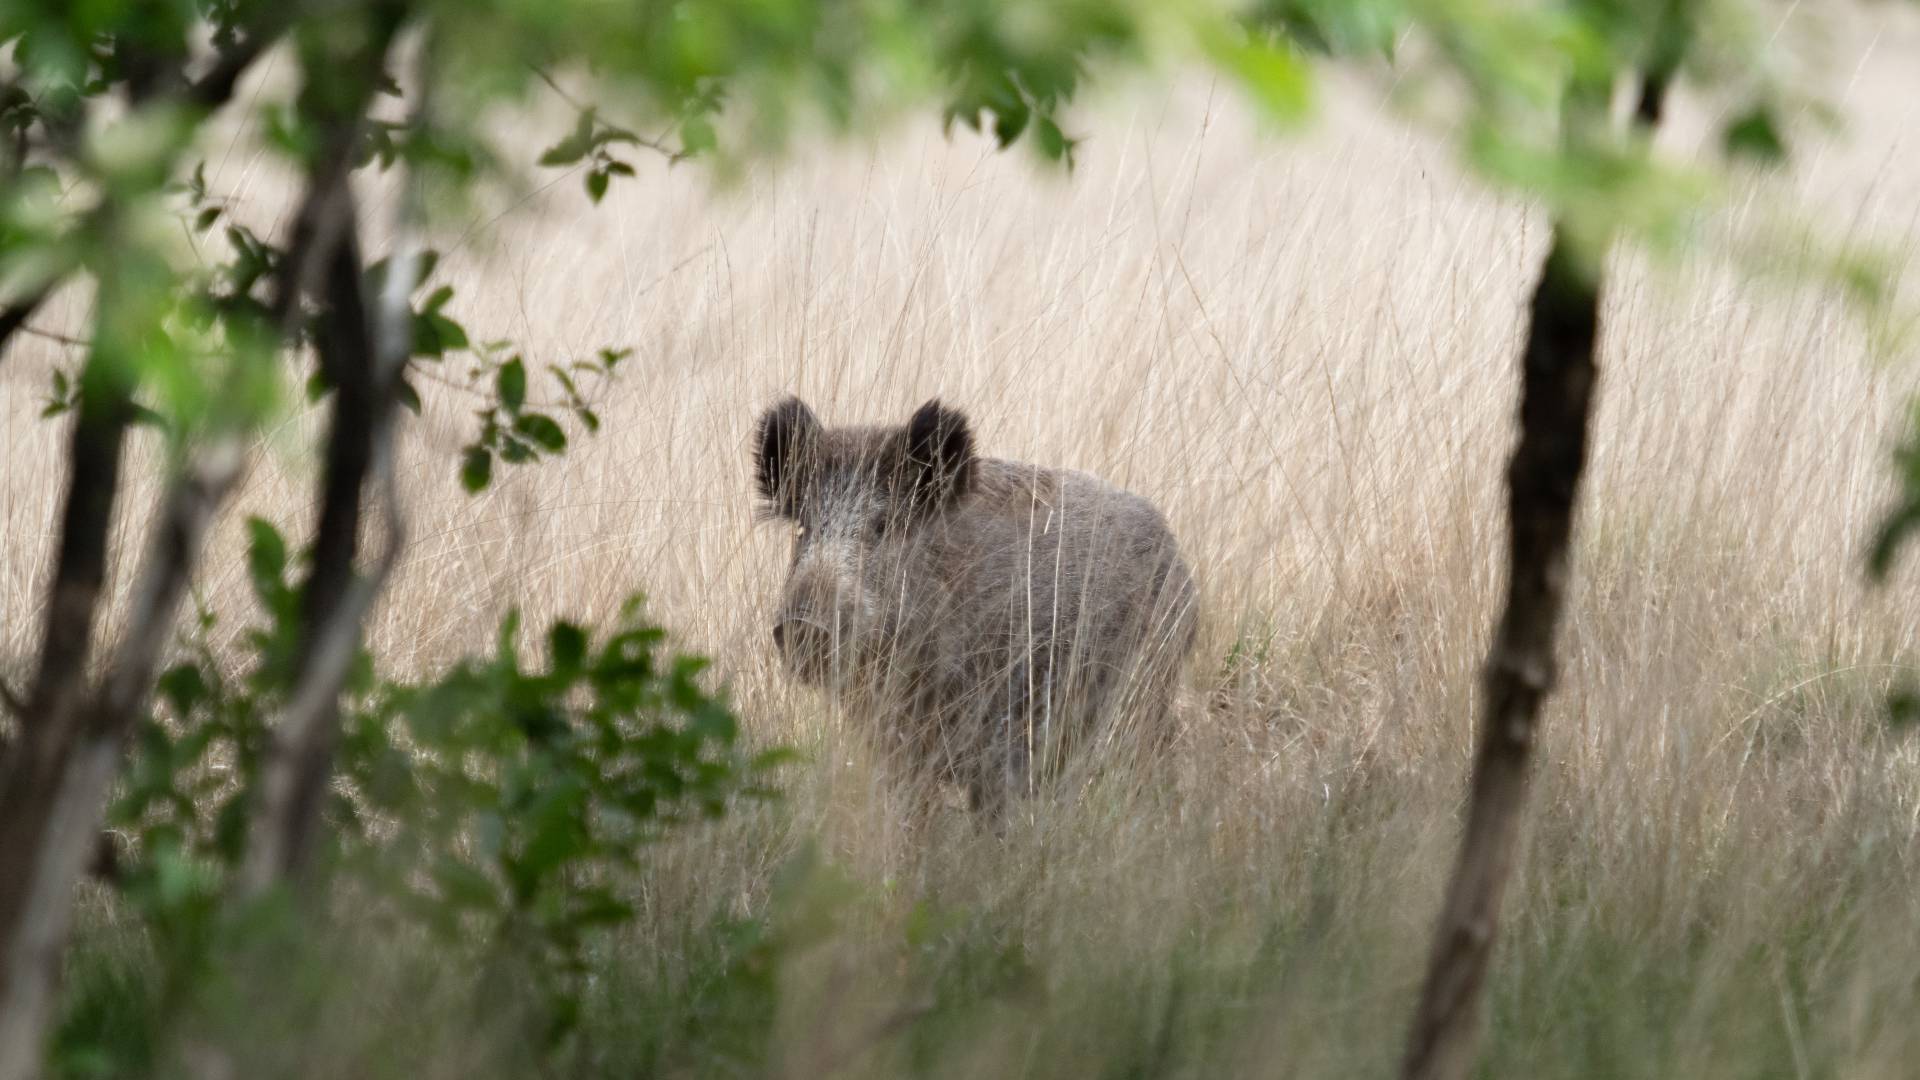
[
  {"x": 497, "y": 806},
  {"x": 508, "y": 799},
  {"x": 494, "y": 805},
  {"x": 1903, "y": 519},
  {"x": 515, "y": 433}
]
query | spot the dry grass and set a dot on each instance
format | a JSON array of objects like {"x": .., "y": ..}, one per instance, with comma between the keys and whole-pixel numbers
[{"x": 1302, "y": 350}]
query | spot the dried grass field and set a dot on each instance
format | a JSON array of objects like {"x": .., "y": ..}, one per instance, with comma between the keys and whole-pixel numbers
[{"x": 1303, "y": 349}]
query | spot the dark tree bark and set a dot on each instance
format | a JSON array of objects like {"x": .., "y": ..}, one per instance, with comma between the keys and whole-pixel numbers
[
  {"x": 54, "y": 779},
  {"x": 80, "y": 564},
  {"x": 33, "y": 898},
  {"x": 1543, "y": 482},
  {"x": 300, "y": 759},
  {"x": 15, "y": 315},
  {"x": 50, "y": 817},
  {"x": 334, "y": 598},
  {"x": 1559, "y": 366}
]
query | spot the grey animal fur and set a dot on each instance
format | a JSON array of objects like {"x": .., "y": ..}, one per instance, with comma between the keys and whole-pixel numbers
[{"x": 981, "y": 617}]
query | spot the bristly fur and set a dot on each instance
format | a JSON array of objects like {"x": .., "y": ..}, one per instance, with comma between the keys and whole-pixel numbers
[
  {"x": 979, "y": 617},
  {"x": 940, "y": 446},
  {"x": 786, "y": 432}
]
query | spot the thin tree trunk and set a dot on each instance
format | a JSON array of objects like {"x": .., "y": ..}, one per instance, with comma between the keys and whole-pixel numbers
[
  {"x": 54, "y": 779},
  {"x": 15, "y": 315},
  {"x": 299, "y": 758},
  {"x": 36, "y": 765},
  {"x": 362, "y": 362},
  {"x": 80, "y": 565},
  {"x": 1558, "y": 374},
  {"x": 1543, "y": 482},
  {"x": 50, "y": 826}
]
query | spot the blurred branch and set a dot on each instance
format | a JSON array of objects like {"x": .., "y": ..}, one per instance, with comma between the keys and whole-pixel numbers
[
  {"x": 15, "y": 315},
  {"x": 656, "y": 144},
  {"x": 332, "y": 602},
  {"x": 35, "y": 878},
  {"x": 212, "y": 90},
  {"x": 49, "y": 335},
  {"x": 362, "y": 353},
  {"x": 50, "y": 816},
  {"x": 1671, "y": 40}
]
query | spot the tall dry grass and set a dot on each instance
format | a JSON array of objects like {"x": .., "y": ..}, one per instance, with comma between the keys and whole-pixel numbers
[{"x": 1303, "y": 350}]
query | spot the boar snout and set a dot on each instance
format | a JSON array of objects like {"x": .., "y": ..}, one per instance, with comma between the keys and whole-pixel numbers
[{"x": 814, "y": 631}]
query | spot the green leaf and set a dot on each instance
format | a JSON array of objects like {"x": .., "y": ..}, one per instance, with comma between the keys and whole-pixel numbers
[
  {"x": 697, "y": 136},
  {"x": 1269, "y": 71},
  {"x": 462, "y": 886},
  {"x": 575, "y": 146},
  {"x": 434, "y": 334},
  {"x": 183, "y": 687},
  {"x": 596, "y": 184},
  {"x": 266, "y": 560},
  {"x": 1009, "y": 121},
  {"x": 1756, "y": 137},
  {"x": 407, "y": 396},
  {"x": 476, "y": 469},
  {"x": 204, "y": 219},
  {"x": 1903, "y": 708},
  {"x": 515, "y": 451},
  {"x": 451, "y": 334},
  {"x": 767, "y": 760},
  {"x": 511, "y": 382},
  {"x": 1052, "y": 141},
  {"x": 568, "y": 645},
  {"x": 541, "y": 429}
]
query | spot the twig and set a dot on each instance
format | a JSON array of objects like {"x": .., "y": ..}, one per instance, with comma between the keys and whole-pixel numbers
[
  {"x": 51, "y": 335},
  {"x": 16, "y": 314},
  {"x": 657, "y": 143}
]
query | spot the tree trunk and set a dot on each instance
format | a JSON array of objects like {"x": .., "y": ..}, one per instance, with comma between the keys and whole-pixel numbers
[
  {"x": 1543, "y": 482},
  {"x": 365, "y": 377},
  {"x": 54, "y": 779},
  {"x": 34, "y": 877},
  {"x": 298, "y": 763},
  {"x": 49, "y": 824},
  {"x": 1559, "y": 366}
]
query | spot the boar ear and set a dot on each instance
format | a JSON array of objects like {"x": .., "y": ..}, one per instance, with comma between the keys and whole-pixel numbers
[
  {"x": 940, "y": 457},
  {"x": 784, "y": 444}
]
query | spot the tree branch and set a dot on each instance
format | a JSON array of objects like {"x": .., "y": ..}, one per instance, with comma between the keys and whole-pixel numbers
[
  {"x": 364, "y": 361},
  {"x": 361, "y": 356},
  {"x": 15, "y": 315},
  {"x": 50, "y": 811}
]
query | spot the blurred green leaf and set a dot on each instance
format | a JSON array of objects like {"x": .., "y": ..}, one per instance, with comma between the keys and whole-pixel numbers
[
  {"x": 511, "y": 383},
  {"x": 476, "y": 469},
  {"x": 1756, "y": 135},
  {"x": 541, "y": 429}
]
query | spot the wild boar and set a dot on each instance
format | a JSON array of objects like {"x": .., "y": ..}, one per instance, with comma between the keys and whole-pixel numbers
[{"x": 980, "y": 617}]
